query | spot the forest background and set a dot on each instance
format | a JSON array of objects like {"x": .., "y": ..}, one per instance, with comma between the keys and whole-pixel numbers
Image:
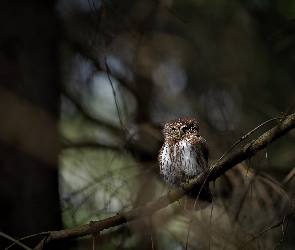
[{"x": 85, "y": 89}]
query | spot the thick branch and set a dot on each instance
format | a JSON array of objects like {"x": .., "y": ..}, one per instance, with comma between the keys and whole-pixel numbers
[{"x": 249, "y": 150}]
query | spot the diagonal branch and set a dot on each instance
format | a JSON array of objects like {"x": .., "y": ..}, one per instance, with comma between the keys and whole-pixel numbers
[{"x": 95, "y": 227}]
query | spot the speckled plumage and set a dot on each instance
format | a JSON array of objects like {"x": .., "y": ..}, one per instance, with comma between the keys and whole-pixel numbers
[{"x": 184, "y": 154}]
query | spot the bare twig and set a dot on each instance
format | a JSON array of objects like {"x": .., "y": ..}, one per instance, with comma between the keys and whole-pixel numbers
[
  {"x": 246, "y": 136},
  {"x": 14, "y": 241},
  {"x": 289, "y": 176},
  {"x": 24, "y": 238},
  {"x": 104, "y": 52},
  {"x": 280, "y": 223}
]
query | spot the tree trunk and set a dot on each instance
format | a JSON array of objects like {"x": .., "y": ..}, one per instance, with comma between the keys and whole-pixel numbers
[{"x": 29, "y": 109}]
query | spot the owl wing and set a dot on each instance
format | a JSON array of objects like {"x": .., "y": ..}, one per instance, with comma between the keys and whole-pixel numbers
[
  {"x": 202, "y": 154},
  {"x": 202, "y": 150}
]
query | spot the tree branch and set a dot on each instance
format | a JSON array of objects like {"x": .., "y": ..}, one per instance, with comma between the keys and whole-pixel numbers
[{"x": 95, "y": 227}]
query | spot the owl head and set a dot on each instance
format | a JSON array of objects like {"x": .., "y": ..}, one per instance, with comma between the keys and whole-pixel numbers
[{"x": 179, "y": 128}]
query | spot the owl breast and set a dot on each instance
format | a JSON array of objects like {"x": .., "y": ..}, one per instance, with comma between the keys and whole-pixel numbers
[{"x": 180, "y": 161}]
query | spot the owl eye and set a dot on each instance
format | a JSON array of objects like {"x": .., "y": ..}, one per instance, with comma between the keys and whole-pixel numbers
[{"x": 185, "y": 129}]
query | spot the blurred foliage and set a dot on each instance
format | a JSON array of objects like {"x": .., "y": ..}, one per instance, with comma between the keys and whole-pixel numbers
[{"x": 130, "y": 66}]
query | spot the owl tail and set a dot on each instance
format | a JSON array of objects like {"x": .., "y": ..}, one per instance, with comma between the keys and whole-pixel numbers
[
  {"x": 204, "y": 195},
  {"x": 197, "y": 200}
]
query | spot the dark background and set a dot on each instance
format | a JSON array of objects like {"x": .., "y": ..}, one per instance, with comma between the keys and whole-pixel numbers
[{"x": 85, "y": 88}]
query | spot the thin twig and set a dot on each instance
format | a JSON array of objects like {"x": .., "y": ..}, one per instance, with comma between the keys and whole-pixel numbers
[
  {"x": 151, "y": 233},
  {"x": 284, "y": 234},
  {"x": 289, "y": 176},
  {"x": 27, "y": 237},
  {"x": 17, "y": 242},
  {"x": 246, "y": 136},
  {"x": 103, "y": 47},
  {"x": 268, "y": 229}
]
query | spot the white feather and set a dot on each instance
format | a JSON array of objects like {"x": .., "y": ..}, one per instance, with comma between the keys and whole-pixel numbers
[{"x": 179, "y": 162}]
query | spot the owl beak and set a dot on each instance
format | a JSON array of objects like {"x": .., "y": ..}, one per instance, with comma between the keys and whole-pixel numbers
[{"x": 179, "y": 134}]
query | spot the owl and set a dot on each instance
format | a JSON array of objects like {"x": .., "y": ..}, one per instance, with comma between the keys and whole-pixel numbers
[{"x": 184, "y": 155}]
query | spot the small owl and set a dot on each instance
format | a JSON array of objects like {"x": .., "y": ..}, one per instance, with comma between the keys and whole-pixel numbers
[{"x": 184, "y": 155}]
